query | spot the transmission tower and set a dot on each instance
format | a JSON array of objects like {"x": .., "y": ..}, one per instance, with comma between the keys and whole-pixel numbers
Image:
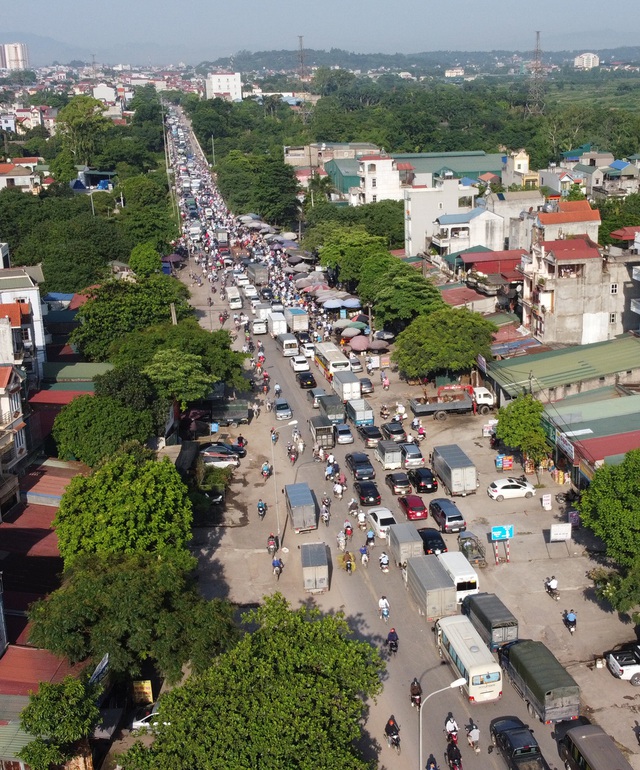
[
  {"x": 535, "y": 102},
  {"x": 301, "y": 68}
]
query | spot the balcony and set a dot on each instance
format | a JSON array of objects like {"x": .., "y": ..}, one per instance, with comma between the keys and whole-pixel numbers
[{"x": 8, "y": 417}]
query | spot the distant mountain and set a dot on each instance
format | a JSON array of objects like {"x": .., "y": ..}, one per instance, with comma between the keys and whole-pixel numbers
[{"x": 45, "y": 50}]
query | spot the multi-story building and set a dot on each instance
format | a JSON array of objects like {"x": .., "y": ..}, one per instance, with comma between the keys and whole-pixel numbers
[
  {"x": 516, "y": 171},
  {"x": 224, "y": 85},
  {"x": 17, "y": 286},
  {"x": 456, "y": 232},
  {"x": 17, "y": 338},
  {"x": 16, "y": 56},
  {"x": 317, "y": 154},
  {"x": 586, "y": 61}
]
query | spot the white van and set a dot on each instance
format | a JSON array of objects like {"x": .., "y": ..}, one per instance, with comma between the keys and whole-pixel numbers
[
  {"x": 195, "y": 232},
  {"x": 464, "y": 577}
]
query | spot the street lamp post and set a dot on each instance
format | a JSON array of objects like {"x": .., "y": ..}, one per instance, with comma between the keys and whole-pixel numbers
[{"x": 457, "y": 683}]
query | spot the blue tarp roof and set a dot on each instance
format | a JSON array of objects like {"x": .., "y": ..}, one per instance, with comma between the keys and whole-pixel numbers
[
  {"x": 467, "y": 181},
  {"x": 619, "y": 164},
  {"x": 57, "y": 296}
]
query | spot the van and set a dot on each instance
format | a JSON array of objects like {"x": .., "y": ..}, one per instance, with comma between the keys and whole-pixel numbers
[
  {"x": 313, "y": 395},
  {"x": 464, "y": 577},
  {"x": 589, "y": 746},
  {"x": 259, "y": 326}
]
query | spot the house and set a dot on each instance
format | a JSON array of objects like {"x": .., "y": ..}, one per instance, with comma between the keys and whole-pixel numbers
[
  {"x": 12, "y": 175},
  {"x": 317, "y": 154},
  {"x": 569, "y": 219},
  {"x": 344, "y": 175},
  {"x": 462, "y": 231},
  {"x": 13, "y": 436},
  {"x": 619, "y": 179},
  {"x": 18, "y": 286},
  {"x": 17, "y": 338},
  {"x": 586, "y": 61},
  {"x": 572, "y": 294},
  {"x": 515, "y": 207},
  {"x": 516, "y": 172},
  {"x": 224, "y": 85},
  {"x": 560, "y": 181}
]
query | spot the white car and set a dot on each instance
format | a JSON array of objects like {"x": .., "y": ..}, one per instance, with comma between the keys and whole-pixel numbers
[
  {"x": 299, "y": 364},
  {"x": 501, "y": 489},
  {"x": 250, "y": 292},
  {"x": 308, "y": 349},
  {"x": 343, "y": 434},
  {"x": 146, "y": 718},
  {"x": 381, "y": 519}
]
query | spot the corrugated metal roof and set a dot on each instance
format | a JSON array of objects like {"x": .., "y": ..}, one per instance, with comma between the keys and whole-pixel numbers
[
  {"x": 81, "y": 372},
  {"x": 12, "y": 740},
  {"x": 460, "y": 219},
  {"x": 619, "y": 165},
  {"x": 596, "y": 449},
  {"x": 605, "y": 404}
]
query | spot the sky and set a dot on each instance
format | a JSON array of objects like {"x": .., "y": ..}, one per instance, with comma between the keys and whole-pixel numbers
[{"x": 165, "y": 31}]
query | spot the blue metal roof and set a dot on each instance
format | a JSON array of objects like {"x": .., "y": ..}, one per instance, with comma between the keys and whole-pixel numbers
[
  {"x": 619, "y": 164},
  {"x": 459, "y": 219}
]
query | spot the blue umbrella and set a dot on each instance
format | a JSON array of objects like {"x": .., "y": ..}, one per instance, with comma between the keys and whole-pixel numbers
[
  {"x": 353, "y": 303},
  {"x": 332, "y": 304}
]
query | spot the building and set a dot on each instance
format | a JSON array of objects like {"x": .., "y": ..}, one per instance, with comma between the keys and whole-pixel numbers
[
  {"x": 560, "y": 181},
  {"x": 454, "y": 72},
  {"x": 516, "y": 172},
  {"x": 317, "y": 154},
  {"x": 224, "y": 85},
  {"x": 13, "y": 175},
  {"x": 586, "y": 61},
  {"x": 16, "y": 56},
  {"x": 617, "y": 180},
  {"x": 17, "y": 338},
  {"x": 455, "y": 232},
  {"x": 574, "y": 295},
  {"x": 18, "y": 286},
  {"x": 570, "y": 218}
]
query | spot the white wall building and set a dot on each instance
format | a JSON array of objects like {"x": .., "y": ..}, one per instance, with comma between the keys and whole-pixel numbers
[
  {"x": 16, "y": 56},
  {"x": 16, "y": 285},
  {"x": 586, "y": 61},
  {"x": 225, "y": 85}
]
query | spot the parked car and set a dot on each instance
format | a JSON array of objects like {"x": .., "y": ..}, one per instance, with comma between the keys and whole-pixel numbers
[
  {"x": 356, "y": 363},
  {"x": 360, "y": 465},
  {"x": 366, "y": 386},
  {"x": 370, "y": 435},
  {"x": 367, "y": 492},
  {"x": 381, "y": 519},
  {"x": 343, "y": 434},
  {"x": 299, "y": 363},
  {"x": 218, "y": 449},
  {"x": 398, "y": 483},
  {"x": 413, "y": 507},
  {"x": 515, "y": 741},
  {"x": 221, "y": 461},
  {"x": 145, "y": 717},
  {"x": 306, "y": 380},
  {"x": 446, "y": 515},
  {"x": 432, "y": 541},
  {"x": 393, "y": 431},
  {"x": 624, "y": 663},
  {"x": 423, "y": 480},
  {"x": 282, "y": 409},
  {"x": 501, "y": 489},
  {"x": 235, "y": 449}
]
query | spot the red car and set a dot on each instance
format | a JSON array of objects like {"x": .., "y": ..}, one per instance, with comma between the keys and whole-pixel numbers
[{"x": 413, "y": 507}]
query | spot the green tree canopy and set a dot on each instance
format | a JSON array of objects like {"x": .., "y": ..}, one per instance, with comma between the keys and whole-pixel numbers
[
  {"x": 610, "y": 506},
  {"x": 120, "y": 307},
  {"x": 145, "y": 260},
  {"x": 346, "y": 248},
  {"x": 447, "y": 339},
  {"x": 126, "y": 506},
  {"x": 520, "y": 426},
  {"x": 91, "y": 428},
  {"x": 403, "y": 295},
  {"x": 127, "y": 385},
  {"x": 133, "y": 607},
  {"x": 81, "y": 124},
  {"x": 179, "y": 375},
  {"x": 305, "y": 675},
  {"x": 58, "y": 716}
]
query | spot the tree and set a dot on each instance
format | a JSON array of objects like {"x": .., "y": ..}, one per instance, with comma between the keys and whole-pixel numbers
[
  {"x": 81, "y": 124},
  {"x": 63, "y": 167},
  {"x": 274, "y": 194},
  {"x": 304, "y": 673},
  {"x": 575, "y": 193},
  {"x": 91, "y": 428},
  {"x": 346, "y": 248},
  {"x": 610, "y": 506},
  {"x": 120, "y": 307},
  {"x": 447, "y": 339},
  {"x": 58, "y": 716},
  {"x": 129, "y": 505},
  {"x": 374, "y": 272},
  {"x": 179, "y": 376},
  {"x": 520, "y": 426},
  {"x": 145, "y": 260},
  {"x": 127, "y": 385},
  {"x": 403, "y": 295},
  {"x": 133, "y": 607}
]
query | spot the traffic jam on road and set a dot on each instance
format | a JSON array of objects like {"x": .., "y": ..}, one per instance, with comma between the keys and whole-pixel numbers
[{"x": 333, "y": 459}]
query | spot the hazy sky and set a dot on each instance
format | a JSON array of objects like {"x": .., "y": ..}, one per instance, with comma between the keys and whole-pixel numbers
[{"x": 208, "y": 29}]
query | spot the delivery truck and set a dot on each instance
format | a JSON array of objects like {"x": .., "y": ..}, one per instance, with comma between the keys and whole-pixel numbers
[
  {"x": 431, "y": 587},
  {"x": 297, "y": 319},
  {"x": 359, "y": 412},
  {"x": 323, "y": 431},
  {"x": 229, "y": 413},
  {"x": 346, "y": 385},
  {"x": 301, "y": 506},
  {"x": 277, "y": 324},
  {"x": 549, "y": 691},
  {"x": 315, "y": 567},
  {"x": 455, "y": 470},
  {"x": 463, "y": 575},
  {"x": 388, "y": 454},
  {"x": 258, "y": 273},
  {"x": 404, "y": 543},
  {"x": 492, "y": 620},
  {"x": 332, "y": 408}
]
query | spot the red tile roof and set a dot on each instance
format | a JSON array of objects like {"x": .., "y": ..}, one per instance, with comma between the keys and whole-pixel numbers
[
  {"x": 6, "y": 168},
  {"x": 570, "y": 211},
  {"x": 27, "y": 529},
  {"x": 404, "y": 167},
  {"x": 460, "y": 295},
  {"x": 6, "y": 370},
  {"x": 625, "y": 233},
  {"x": 57, "y": 397},
  {"x": 596, "y": 449},
  {"x": 23, "y": 668},
  {"x": 572, "y": 248},
  {"x": 568, "y": 206},
  {"x": 14, "y": 312}
]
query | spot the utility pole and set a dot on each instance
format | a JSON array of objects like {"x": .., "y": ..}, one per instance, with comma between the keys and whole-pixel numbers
[
  {"x": 535, "y": 102},
  {"x": 301, "y": 68}
]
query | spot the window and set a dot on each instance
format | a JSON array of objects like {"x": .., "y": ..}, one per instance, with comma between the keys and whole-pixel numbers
[
  {"x": 440, "y": 206},
  {"x": 371, "y": 168},
  {"x": 374, "y": 199},
  {"x": 612, "y": 318},
  {"x": 374, "y": 182},
  {"x": 614, "y": 288}
]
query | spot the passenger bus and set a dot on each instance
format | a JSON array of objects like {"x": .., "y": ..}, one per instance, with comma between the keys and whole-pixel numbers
[
  {"x": 330, "y": 359},
  {"x": 590, "y": 747},
  {"x": 459, "y": 642}
]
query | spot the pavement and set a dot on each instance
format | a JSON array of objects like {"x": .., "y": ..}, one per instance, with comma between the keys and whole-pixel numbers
[{"x": 234, "y": 564}]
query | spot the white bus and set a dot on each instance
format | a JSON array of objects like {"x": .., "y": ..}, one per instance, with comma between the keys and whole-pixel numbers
[
  {"x": 331, "y": 359},
  {"x": 459, "y": 642},
  {"x": 288, "y": 344},
  {"x": 235, "y": 300}
]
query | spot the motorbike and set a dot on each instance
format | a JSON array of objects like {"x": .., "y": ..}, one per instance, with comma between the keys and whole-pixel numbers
[
  {"x": 570, "y": 621},
  {"x": 393, "y": 647},
  {"x": 274, "y": 437},
  {"x": 348, "y": 531},
  {"x": 567, "y": 497},
  {"x": 272, "y": 547},
  {"x": 266, "y": 471},
  {"x": 341, "y": 541},
  {"x": 420, "y": 437},
  {"x": 348, "y": 565},
  {"x": 262, "y": 510},
  {"x": 384, "y": 412},
  {"x": 353, "y": 505},
  {"x": 371, "y": 540},
  {"x": 362, "y": 524},
  {"x": 325, "y": 516},
  {"x": 553, "y": 592},
  {"x": 384, "y": 564},
  {"x": 393, "y": 741},
  {"x": 416, "y": 700},
  {"x": 384, "y": 614}
]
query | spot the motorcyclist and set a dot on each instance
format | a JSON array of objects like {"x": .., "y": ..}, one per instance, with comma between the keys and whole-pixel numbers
[
  {"x": 348, "y": 562},
  {"x": 392, "y": 638},
  {"x": 391, "y": 729},
  {"x": 415, "y": 688},
  {"x": 262, "y": 508},
  {"x": 348, "y": 529},
  {"x": 451, "y": 726},
  {"x": 364, "y": 554},
  {"x": 341, "y": 540},
  {"x": 383, "y": 604},
  {"x": 277, "y": 390},
  {"x": 266, "y": 469},
  {"x": 326, "y": 502},
  {"x": 571, "y": 618},
  {"x": 362, "y": 519},
  {"x": 473, "y": 736},
  {"x": 371, "y": 538},
  {"x": 241, "y": 441},
  {"x": 271, "y": 543},
  {"x": 277, "y": 564},
  {"x": 353, "y": 505},
  {"x": 384, "y": 560},
  {"x": 454, "y": 758},
  {"x": 552, "y": 584}
]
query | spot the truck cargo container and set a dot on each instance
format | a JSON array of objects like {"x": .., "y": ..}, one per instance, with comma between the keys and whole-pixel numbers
[
  {"x": 388, "y": 454},
  {"x": 277, "y": 324},
  {"x": 455, "y": 470},
  {"x": 323, "y": 431},
  {"x": 463, "y": 575},
  {"x": 431, "y": 587},
  {"x": 297, "y": 319},
  {"x": 493, "y": 621},
  {"x": 258, "y": 273},
  {"x": 332, "y": 408},
  {"x": 346, "y": 385},
  {"x": 315, "y": 567},
  {"x": 359, "y": 412},
  {"x": 301, "y": 506},
  {"x": 262, "y": 311},
  {"x": 404, "y": 543}
]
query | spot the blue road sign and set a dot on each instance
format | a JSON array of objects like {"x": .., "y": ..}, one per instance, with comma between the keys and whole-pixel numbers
[{"x": 502, "y": 533}]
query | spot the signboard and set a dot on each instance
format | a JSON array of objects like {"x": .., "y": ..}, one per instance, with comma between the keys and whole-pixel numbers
[
  {"x": 502, "y": 533},
  {"x": 507, "y": 463},
  {"x": 563, "y": 443},
  {"x": 343, "y": 312},
  {"x": 100, "y": 670},
  {"x": 385, "y": 361},
  {"x": 482, "y": 363},
  {"x": 142, "y": 691},
  {"x": 560, "y": 533},
  {"x": 499, "y": 459},
  {"x": 546, "y": 502}
]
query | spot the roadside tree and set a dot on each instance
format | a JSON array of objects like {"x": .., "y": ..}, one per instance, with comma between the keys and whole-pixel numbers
[
  {"x": 304, "y": 673},
  {"x": 403, "y": 296},
  {"x": 179, "y": 376},
  {"x": 145, "y": 260},
  {"x": 346, "y": 248},
  {"x": 520, "y": 426},
  {"x": 81, "y": 124},
  {"x": 126, "y": 506}
]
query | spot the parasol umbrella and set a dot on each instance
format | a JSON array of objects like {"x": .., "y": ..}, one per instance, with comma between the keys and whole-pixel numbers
[
  {"x": 350, "y": 332},
  {"x": 290, "y": 236},
  {"x": 253, "y": 215},
  {"x": 272, "y": 238},
  {"x": 303, "y": 283},
  {"x": 361, "y": 317},
  {"x": 332, "y": 304},
  {"x": 342, "y": 323},
  {"x": 289, "y": 244},
  {"x": 356, "y": 325},
  {"x": 352, "y": 303},
  {"x": 293, "y": 260},
  {"x": 255, "y": 225},
  {"x": 172, "y": 258},
  {"x": 319, "y": 274},
  {"x": 300, "y": 268},
  {"x": 359, "y": 343},
  {"x": 378, "y": 345},
  {"x": 320, "y": 292},
  {"x": 245, "y": 218},
  {"x": 384, "y": 335}
]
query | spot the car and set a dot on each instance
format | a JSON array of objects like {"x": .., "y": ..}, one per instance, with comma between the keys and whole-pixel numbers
[
  {"x": 306, "y": 380},
  {"x": 370, "y": 434},
  {"x": 515, "y": 741},
  {"x": 250, "y": 291},
  {"x": 277, "y": 306},
  {"x": 446, "y": 515},
  {"x": 624, "y": 662},
  {"x": 307, "y": 349},
  {"x": 413, "y": 507},
  {"x": 381, "y": 519},
  {"x": 423, "y": 480},
  {"x": 398, "y": 483},
  {"x": 366, "y": 386},
  {"x": 367, "y": 492},
  {"x": 266, "y": 293},
  {"x": 221, "y": 461},
  {"x": 299, "y": 363},
  {"x": 501, "y": 489},
  {"x": 146, "y": 718},
  {"x": 356, "y": 364},
  {"x": 282, "y": 409},
  {"x": 411, "y": 456},
  {"x": 313, "y": 395},
  {"x": 393, "y": 431},
  {"x": 303, "y": 337},
  {"x": 219, "y": 449},
  {"x": 235, "y": 449},
  {"x": 360, "y": 465},
  {"x": 343, "y": 434},
  {"x": 432, "y": 541}
]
